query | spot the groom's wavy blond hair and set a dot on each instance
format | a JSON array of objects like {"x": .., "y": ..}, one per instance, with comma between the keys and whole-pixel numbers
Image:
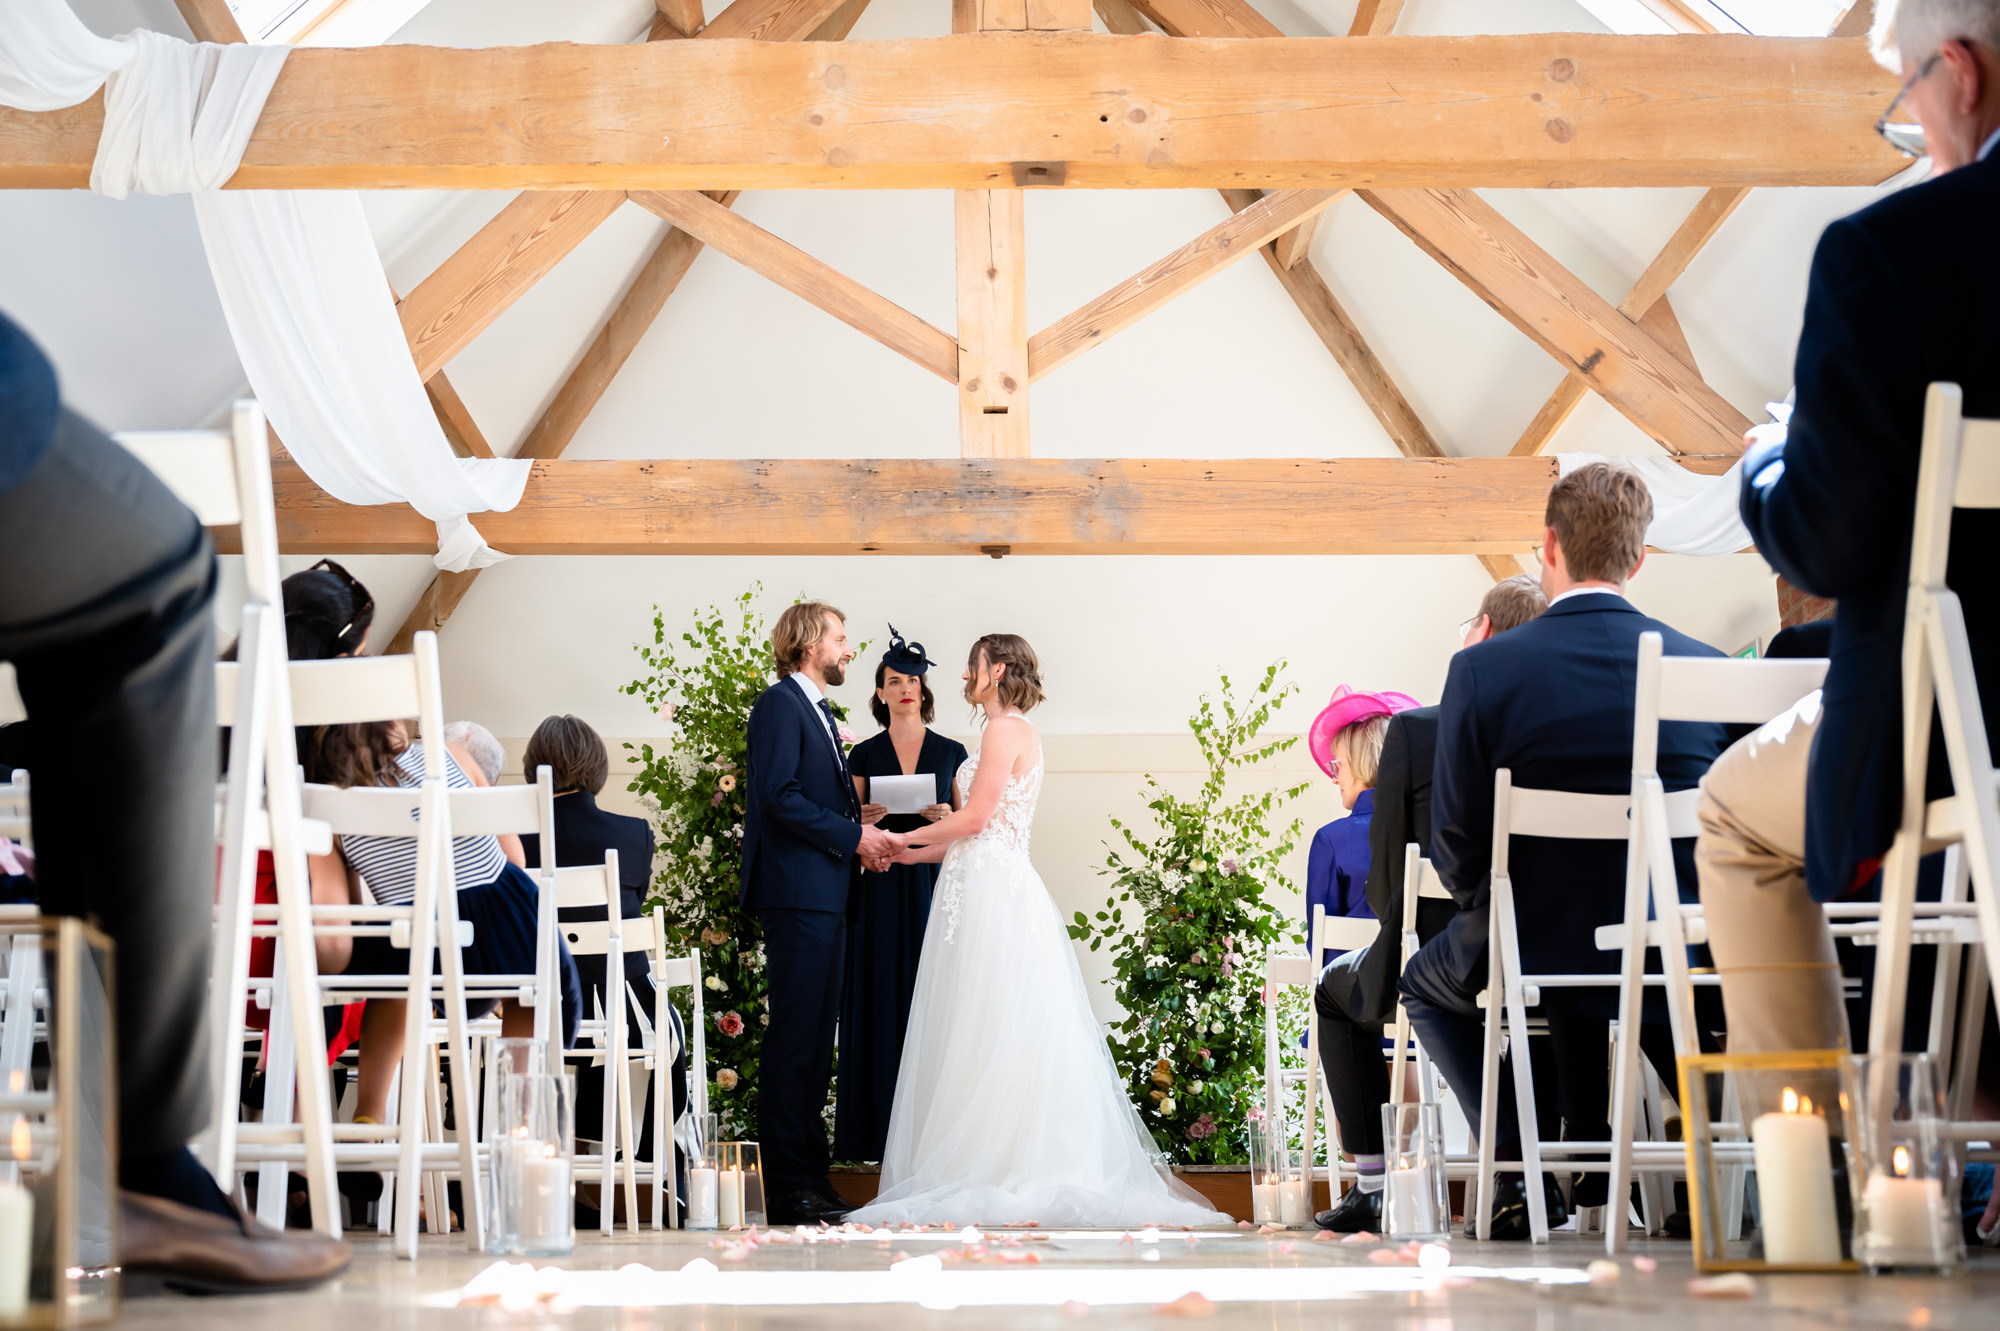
[
  {"x": 797, "y": 632},
  {"x": 1021, "y": 684}
]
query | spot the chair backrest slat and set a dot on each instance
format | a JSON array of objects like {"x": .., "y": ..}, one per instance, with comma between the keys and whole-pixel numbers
[
  {"x": 386, "y": 811},
  {"x": 1978, "y": 465},
  {"x": 355, "y": 688},
  {"x": 199, "y": 466},
  {"x": 494, "y": 810},
  {"x": 1566, "y": 814},
  {"x": 584, "y": 887},
  {"x": 1696, "y": 688}
]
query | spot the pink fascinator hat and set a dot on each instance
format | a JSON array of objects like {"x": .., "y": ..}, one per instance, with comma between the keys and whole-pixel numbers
[{"x": 1346, "y": 707}]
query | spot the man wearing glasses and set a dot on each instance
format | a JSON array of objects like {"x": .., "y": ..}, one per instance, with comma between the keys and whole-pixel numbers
[{"x": 1903, "y": 293}]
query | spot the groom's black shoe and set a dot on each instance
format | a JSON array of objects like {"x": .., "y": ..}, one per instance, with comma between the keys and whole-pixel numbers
[
  {"x": 1358, "y": 1211},
  {"x": 804, "y": 1207}
]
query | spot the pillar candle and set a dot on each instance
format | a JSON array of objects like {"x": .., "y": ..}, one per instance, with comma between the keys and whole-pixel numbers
[
  {"x": 702, "y": 1199},
  {"x": 17, "y": 1234},
  {"x": 1903, "y": 1217},
  {"x": 1795, "y": 1185},
  {"x": 1405, "y": 1214},
  {"x": 729, "y": 1209},
  {"x": 1294, "y": 1202},
  {"x": 546, "y": 1205},
  {"x": 1264, "y": 1204}
]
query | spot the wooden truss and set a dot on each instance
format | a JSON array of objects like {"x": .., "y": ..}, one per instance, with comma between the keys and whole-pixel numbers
[{"x": 1023, "y": 96}]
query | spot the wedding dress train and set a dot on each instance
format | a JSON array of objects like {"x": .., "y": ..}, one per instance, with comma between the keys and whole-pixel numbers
[{"x": 1008, "y": 1108}]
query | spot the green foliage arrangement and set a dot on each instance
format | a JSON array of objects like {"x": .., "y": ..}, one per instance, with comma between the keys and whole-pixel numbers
[
  {"x": 1188, "y": 924},
  {"x": 703, "y": 685}
]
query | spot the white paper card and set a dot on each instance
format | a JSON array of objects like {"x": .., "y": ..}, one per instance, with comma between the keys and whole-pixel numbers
[{"x": 903, "y": 794}]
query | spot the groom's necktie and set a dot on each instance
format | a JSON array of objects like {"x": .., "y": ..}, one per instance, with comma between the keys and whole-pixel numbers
[{"x": 833, "y": 735}]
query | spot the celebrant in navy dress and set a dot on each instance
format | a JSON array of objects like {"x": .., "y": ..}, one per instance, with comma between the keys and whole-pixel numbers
[{"x": 886, "y": 911}]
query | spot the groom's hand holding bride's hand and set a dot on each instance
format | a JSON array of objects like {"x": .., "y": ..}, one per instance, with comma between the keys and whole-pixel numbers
[{"x": 877, "y": 848}]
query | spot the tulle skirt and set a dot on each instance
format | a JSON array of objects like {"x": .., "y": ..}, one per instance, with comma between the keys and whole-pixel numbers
[{"x": 1008, "y": 1108}]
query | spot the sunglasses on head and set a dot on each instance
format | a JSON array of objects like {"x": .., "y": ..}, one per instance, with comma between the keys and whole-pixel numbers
[{"x": 358, "y": 594}]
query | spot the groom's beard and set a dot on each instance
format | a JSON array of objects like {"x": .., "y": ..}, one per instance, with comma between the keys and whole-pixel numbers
[{"x": 836, "y": 675}]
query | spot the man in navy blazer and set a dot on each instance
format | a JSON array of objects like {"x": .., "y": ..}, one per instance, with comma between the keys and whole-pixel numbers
[
  {"x": 1552, "y": 701},
  {"x": 1904, "y": 293},
  {"x": 802, "y": 836}
]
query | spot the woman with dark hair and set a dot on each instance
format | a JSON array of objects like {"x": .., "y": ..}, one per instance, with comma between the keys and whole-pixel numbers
[
  {"x": 327, "y": 613},
  {"x": 886, "y": 912},
  {"x": 579, "y": 764}
]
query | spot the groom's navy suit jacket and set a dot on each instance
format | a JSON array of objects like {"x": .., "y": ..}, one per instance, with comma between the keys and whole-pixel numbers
[
  {"x": 802, "y": 823},
  {"x": 1551, "y": 700}
]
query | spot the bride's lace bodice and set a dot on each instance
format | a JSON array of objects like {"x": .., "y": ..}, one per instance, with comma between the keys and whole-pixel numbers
[
  {"x": 1014, "y": 820},
  {"x": 1006, "y": 837}
]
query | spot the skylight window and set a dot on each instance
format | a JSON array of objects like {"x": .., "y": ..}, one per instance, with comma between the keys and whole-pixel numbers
[{"x": 1765, "y": 18}]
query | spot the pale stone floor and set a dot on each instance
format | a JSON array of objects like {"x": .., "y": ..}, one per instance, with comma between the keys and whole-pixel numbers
[{"x": 380, "y": 1293}]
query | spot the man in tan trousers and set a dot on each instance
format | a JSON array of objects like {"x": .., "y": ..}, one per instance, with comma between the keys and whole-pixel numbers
[{"x": 1903, "y": 293}]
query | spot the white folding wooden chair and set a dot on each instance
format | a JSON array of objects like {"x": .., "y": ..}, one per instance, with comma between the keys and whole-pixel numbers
[
  {"x": 1671, "y": 688},
  {"x": 605, "y": 1029},
  {"x": 666, "y": 1044},
  {"x": 1420, "y": 883},
  {"x": 1562, "y": 815},
  {"x": 1959, "y": 468},
  {"x": 1325, "y": 932}
]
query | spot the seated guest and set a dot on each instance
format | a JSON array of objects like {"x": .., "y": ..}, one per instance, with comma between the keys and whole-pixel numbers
[
  {"x": 577, "y": 761},
  {"x": 476, "y": 749},
  {"x": 107, "y": 593},
  {"x": 1552, "y": 701},
  {"x": 1357, "y": 990},
  {"x": 1902, "y": 294},
  {"x": 1346, "y": 742},
  {"x": 493, "y": 893}
]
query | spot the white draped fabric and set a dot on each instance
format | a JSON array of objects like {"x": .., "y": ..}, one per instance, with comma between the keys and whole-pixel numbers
[
  {"x": 300, "y": 281},
  {"x": 1692, "y": 514}
]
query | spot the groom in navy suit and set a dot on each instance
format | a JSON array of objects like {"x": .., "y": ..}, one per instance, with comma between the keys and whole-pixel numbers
[{"x": 802, "y": 837}]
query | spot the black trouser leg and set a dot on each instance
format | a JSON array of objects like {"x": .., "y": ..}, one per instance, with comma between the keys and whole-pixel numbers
[
  {"x": 804, "y": 951},
  {"x": 1350, "y": 1057},
  {"x": 106, "y": 589},
  {"x": 1448, "y": 1022}
]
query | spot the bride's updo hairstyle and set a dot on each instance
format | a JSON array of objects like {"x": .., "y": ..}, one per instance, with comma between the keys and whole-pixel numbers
[{"x": 1021, "y": 684}]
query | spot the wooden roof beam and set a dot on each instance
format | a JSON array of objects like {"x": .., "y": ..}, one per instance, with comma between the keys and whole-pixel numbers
[
  {"x": 845, "y": 299},
  {"x": 1624, "y": 362},
  {"x": 1187, "y": 267},
  {"x": 959, "y": 505},
  {"x": 962, "y": 112}
]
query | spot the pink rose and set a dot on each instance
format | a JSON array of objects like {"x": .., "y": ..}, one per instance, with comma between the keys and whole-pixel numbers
[
  {"x": 726, "y": 1078},
  {"x": 846, "y": 735},
  {"x": 729, "y": 1023},
  {"x": 1201, "y": 1128}
]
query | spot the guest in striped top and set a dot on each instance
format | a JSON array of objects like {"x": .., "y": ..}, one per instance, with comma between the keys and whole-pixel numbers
[{"x": 494, "y": 895}]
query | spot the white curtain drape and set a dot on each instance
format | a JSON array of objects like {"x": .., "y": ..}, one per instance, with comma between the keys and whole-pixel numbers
[
  {"x": 1692, "y": 514},
  {"x": 300, "y": 281}
]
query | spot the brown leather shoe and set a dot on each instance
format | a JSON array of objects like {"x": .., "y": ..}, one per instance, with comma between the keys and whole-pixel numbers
[{"x": 206, "y": 1253}]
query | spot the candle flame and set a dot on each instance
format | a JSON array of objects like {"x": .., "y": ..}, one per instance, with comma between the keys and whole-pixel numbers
[
  {"x": 23, "y": 1140},
  {"x": 548, "y": 1150},
  {"x": 17, "y": 1081},
  {"x": 1791, "y": 1101},
  {"x": 1805, "y": 1104},
  {"x": 1901, "y": 1161}
]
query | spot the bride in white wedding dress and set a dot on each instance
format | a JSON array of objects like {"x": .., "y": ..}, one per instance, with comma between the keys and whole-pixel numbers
[{"x": 1008, "y": 1108}]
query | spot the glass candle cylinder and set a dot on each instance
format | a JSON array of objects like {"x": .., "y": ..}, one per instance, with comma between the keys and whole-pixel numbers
[
  {"x": 534, "y": 1149},
  {"x": 1266, "y": 1208},
  {"x": 737, "y": 1175},
  {"x": 1416, "y": 1203},
  {"x": 1295, "y": 1208},
  {"x": 1903, "y": 1166}
]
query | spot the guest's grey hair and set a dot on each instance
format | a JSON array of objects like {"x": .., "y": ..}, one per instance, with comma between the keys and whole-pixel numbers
[
  {"x": 478, "y": 741},
  {"x": 1906, "y": 31}
]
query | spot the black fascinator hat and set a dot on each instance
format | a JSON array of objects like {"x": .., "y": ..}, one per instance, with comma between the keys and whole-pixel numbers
[{"x": 905, "y": 657}]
